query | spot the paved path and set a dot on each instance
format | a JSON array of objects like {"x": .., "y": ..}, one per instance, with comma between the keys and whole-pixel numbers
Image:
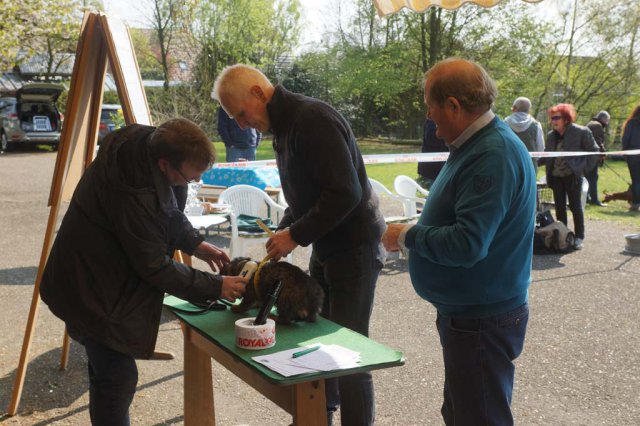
[{"x": 580, "y": 366}]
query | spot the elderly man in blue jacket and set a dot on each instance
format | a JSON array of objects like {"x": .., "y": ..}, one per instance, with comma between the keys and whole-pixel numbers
[{"x": 470, "y": 252}]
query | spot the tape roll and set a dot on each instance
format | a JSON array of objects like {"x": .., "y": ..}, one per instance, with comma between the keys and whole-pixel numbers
[{"x": 255, "y": 337}]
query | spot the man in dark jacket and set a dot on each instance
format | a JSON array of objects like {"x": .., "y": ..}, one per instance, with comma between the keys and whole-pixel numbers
[
  {"x": 241, "y": 144},
  {"x": 428, "y": 170},
  {"x": 111, "y": 262},
  {"x": 331, "y": 205},
  {"x": 597, "y": 125}
]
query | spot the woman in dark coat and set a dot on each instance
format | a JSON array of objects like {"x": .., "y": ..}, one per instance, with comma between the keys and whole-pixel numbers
[
  {"x": 565, "y": 174},
  {"x": 631, "y": 140}
]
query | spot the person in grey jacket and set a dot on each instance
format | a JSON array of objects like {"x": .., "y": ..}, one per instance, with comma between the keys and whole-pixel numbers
[
  {"x": 597, "y": 125},
  {"x": 527, "y": 128},
  {"x": 565, "y": 174},
  {"x": 112, "y": 260},
  {"x": 631, "y": 140}
]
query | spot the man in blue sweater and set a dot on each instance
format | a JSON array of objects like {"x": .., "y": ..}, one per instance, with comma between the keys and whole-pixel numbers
[{"x": 470, "y": 252}]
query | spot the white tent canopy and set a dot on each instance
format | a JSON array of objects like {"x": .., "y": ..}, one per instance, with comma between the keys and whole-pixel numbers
[{"x": 387, "y": 7}]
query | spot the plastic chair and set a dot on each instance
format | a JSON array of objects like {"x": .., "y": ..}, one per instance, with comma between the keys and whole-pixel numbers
[
  {"x": 407, "y": 187},
  {"x": 583, "y": 194},
  {"x": 383, "y": 192},
  {"x": 249, "y": 200}
]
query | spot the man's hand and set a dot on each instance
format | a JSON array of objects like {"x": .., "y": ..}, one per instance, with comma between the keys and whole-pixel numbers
[
  {"x": 390, "y": 236},
  {"x": 280, "y": 244},
  {"x": 233, "y": 287},
  {"x": 211, "y": 254}
]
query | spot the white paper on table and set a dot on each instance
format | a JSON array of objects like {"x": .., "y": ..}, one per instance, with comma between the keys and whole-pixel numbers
[{"x": 327, "y": 358}]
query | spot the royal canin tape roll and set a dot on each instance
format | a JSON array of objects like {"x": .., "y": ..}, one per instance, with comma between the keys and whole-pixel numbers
[{"x": 255, "y": 337}]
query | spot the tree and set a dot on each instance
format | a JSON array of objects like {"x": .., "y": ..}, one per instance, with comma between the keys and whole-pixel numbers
[{"x": 40, "y": 26}]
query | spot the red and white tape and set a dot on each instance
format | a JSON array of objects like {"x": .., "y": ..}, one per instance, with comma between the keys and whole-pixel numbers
[{"x": 430, "y": 157}]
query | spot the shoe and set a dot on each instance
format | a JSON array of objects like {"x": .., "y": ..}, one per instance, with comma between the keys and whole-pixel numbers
[
  {"x": 634, "y": 208},
  {"x": 577, "y": 244},
  {"x": 598, "y": 203}
]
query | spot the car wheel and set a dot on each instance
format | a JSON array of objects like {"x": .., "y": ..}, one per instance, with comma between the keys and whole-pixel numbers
[{"x": 4, "y": 142}]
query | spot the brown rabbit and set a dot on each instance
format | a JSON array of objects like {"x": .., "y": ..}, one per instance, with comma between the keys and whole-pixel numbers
[{"x": 301, "y": 296}]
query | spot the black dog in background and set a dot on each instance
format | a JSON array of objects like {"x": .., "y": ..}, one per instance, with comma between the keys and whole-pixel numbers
[{"x": 301, "y": 296}]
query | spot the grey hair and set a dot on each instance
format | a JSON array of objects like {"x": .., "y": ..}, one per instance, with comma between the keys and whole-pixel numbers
[
  {"x": 522, "y": 104},
  {"x": 603, "y": 116},
  {"x": 238, "y": 79},
  {"x": 473, "y": 88}
]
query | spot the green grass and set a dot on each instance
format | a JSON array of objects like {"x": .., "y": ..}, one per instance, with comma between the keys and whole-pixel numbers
[{"x": 614, "y": 176}]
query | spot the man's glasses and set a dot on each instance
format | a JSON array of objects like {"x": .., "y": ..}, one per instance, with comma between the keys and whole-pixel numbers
[
  {"x": 556, "y": 118},
  {"x": 184, "y": 177}
]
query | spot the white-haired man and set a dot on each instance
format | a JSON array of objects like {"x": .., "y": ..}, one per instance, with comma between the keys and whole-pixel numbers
[{"x": 331, "y": 205}]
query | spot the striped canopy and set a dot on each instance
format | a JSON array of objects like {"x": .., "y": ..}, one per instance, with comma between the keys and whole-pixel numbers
[{"x": 387, "y": 7}]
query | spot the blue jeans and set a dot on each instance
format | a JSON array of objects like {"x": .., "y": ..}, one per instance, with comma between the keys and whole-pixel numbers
[
  {"x": 113, "y": 377},
  {"x": 592, "y": 178},
  {"x": 349, "y": 281},
  {"x": 237, "y": 154},
  {"x": 478, "y": 366}
]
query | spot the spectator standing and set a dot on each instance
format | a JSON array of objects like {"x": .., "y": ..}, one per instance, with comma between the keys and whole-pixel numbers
[
  {"x": 527, "y": 128},
  {"x": 240, "y": 144},
  {"x": 631, "y": 140},
  {"x": 597, "y": 125},
  {"x": 112, "y": 260},
  {"x": 428, "y": 171},
  {"x": 470, "y": 252},
  {"x": 565, "y": 174},
  {"x": 331, "y": 205}
]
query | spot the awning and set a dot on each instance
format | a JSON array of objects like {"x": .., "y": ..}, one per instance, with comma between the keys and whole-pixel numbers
[{"x": 386, "y": 7}]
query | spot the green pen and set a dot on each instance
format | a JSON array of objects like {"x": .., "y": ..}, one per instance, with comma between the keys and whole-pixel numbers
[{"x": 304, "y": 352}]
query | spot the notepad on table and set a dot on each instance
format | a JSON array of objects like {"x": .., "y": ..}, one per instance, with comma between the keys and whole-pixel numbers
[{"x": 326, "y": 358}]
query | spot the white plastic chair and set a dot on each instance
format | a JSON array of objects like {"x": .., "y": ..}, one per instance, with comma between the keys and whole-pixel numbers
[
  {"x": 407, "y": 187},
  {"x": 383, "y": 192},
  {"x": 249, "y": 200}
]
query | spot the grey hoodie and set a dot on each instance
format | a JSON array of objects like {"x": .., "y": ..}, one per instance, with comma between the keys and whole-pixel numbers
[{"x": 520, "y": 121}]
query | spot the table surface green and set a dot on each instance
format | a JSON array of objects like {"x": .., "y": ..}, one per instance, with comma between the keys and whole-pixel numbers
[{"x": 218, "y": 327}]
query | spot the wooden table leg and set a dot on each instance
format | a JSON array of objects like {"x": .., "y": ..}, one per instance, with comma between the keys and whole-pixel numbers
[
  {"x": 198, "y": 386},
  {"x": 309, "y": 404}
]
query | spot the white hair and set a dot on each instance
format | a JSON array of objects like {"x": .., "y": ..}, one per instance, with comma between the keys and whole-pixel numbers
[
  {"x": 237, "y": 80},
  {"x": 522, "y": 104}
]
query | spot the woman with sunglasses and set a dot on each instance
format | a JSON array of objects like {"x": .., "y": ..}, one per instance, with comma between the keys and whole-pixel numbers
[{"x": 565, "y": 174}]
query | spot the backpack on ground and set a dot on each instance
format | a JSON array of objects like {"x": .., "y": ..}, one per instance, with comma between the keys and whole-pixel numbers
[{"x": 552, "y": 237}]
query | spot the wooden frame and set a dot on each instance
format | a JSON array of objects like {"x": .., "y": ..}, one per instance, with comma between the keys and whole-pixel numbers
[{"x": 101, "y": 39}]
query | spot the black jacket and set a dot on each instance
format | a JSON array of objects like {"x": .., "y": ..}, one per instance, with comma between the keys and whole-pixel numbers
[
  {"x": 111, "y": 262},
  {"x": 323, "y": 177},
  {"x": 631, "y": 135}
]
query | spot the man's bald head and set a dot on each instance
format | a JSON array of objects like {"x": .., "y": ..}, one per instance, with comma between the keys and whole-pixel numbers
[{"x": 464, "y": 80}]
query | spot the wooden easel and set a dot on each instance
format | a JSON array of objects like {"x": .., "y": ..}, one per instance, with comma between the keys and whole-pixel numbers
[{"x": 101, "y": 39}]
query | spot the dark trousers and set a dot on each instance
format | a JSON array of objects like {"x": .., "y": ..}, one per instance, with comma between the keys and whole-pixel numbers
[
  {"x": 592, "y": 178},
  {"x": 569, "y": 187},
  {"x": 349, "y": 281},
  {"x": 478, "y": 366},
  {"x": 633, "y": 162},
  {"x": 113, "y": 377}
]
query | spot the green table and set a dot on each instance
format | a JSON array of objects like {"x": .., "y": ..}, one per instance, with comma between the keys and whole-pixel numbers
[{"x": 212, "y": 335}]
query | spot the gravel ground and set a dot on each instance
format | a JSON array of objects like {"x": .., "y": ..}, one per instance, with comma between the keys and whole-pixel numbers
[{"x": 580, "y": 366}]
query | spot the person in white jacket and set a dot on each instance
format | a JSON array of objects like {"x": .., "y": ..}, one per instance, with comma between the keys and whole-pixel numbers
[{"x": 527, "y": 128}]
